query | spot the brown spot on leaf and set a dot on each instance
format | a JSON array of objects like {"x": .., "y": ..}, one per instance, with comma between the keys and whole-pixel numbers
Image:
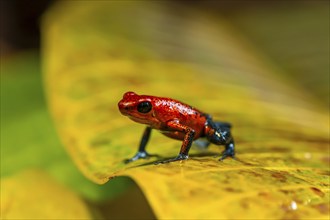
[
  {"x": 323, "y": 208},
  {"x": 230, "y": 189},
  {"x": 245, "y": 204},
  {"x": 284, "y": 191},
  {"x": 281, "y": 176},
  {"x": 112, "y": 177},
  {"x": 264, "y": 194},
  {"x": 317, "y": 191}
]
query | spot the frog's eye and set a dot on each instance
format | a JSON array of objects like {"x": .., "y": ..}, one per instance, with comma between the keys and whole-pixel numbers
[{"x": 144, "y": 107}]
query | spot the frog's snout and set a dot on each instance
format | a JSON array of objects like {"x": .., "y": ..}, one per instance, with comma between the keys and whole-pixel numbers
[{"x": 124, "y": 107}]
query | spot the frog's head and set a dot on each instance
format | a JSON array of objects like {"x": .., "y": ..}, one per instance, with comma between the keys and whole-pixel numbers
[{"x": 137, "y": 107}]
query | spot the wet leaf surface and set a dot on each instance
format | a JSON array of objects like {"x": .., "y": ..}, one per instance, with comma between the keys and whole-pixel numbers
[{"x": 92, "y": 58}]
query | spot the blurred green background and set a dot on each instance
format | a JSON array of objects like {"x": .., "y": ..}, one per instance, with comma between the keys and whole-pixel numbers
[{"x": 292, "y": 35}]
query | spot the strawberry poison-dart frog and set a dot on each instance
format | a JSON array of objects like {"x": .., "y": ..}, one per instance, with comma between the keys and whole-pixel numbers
[{"x": 175, "y": 120}]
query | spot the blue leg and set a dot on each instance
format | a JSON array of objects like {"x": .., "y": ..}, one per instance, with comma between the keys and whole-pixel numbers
[
  {"x": 220, "y": 134},
  {"x": 142, "y": 153}
]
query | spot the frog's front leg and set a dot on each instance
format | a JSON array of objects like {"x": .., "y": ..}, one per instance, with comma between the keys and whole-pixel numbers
[
  {"x": 187, "y": 141},
  {"x": 142, "y": 153}
]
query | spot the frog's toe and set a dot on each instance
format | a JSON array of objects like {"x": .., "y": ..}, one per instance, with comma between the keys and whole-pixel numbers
[
  {"x": 227, "y": 153},
  {"x": 140, "y": 155},
  {"x": 179, "y": 157},
  {"x": 137, "y": 156},
  {"x": 126, "y": 161}
]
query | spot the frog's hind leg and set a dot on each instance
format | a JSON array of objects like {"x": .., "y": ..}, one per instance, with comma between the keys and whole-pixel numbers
[{"x": 219, "y": 133}]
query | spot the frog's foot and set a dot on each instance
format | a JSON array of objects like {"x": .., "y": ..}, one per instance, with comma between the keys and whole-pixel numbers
[
  {"x": 179, "y": 157},
  {"x": 228, "y": 152},
  {"x": 140, "y": 155}
]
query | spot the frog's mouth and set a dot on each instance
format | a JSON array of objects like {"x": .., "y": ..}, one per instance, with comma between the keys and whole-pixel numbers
[
  {"x": 123, "y": 112},
  {"x": 125, "y": 108},
  {"x": 138, "y": 120}
]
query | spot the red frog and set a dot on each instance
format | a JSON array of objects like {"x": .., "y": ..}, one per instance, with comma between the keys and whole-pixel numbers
[{"x": 175, "y": 120}]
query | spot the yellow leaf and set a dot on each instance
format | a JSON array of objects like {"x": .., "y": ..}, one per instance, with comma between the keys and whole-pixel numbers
[
  {"x": 34, "y": 195},
  {"x": 96, "y": 52}
]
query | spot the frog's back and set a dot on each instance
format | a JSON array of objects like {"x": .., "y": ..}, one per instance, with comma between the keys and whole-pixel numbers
[{"x": 173, "y": 110}]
